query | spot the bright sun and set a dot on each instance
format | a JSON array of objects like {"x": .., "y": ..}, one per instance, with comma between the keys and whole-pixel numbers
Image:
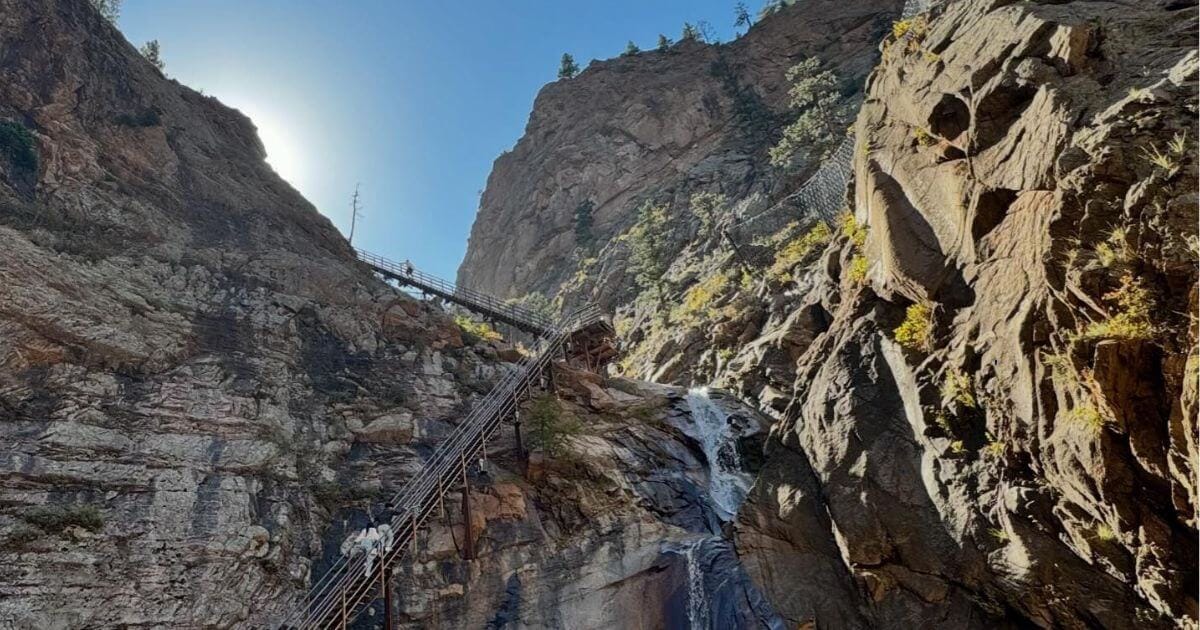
[{"x": 283, "y": 152}]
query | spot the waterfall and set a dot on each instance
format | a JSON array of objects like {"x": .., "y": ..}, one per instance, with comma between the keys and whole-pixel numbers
[
  {"x": 698, "y": 604},
  {"x": 727, "y": 484}
]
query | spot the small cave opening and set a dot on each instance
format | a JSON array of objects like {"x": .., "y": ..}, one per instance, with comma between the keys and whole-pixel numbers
[
  {"x": 950, "y": 118},
  {"x": 990, "y": 210},
  {"x": 997, "y": 111}
]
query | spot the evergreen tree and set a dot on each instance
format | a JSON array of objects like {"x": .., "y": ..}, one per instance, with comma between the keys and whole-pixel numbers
[
  {"x": 583, "y": 224},
  {"x": 823, "y": 113},
  {"x": 664, "y": 43},
  {"x": 742, "y": 15},
  {"x": 109, "y": 9},
  {"x": 151, "y": 51},
  {"x": 649, "y": 246},
  {"x": 568, "y": 68},
  {"x": 689, "y": 32},
  {"x": 632, "y": 49}
]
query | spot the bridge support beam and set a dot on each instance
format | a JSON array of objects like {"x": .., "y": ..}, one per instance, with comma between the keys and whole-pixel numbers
[
  {"x": 389, "y": 619},
  {"x": 468, "y": 535},
  {"x": 522, "y": 456}
]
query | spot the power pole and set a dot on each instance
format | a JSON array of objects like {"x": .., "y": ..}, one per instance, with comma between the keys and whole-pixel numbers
[{"x": 355, "y": 212}]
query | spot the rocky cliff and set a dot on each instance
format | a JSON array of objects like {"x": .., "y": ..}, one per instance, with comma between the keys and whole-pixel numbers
[
  {"x": 202, "y": 393},
  {"x": 984, "y": 374},
  {"x": 655, "y": 126}
]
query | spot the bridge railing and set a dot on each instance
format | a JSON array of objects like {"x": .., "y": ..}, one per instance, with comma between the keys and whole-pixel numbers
[{"x": 474, "y": 300}]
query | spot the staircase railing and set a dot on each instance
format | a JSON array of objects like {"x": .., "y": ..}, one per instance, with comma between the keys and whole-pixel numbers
[
  {"x": 335, "y": 600},
  {"x": 482, "y": 303}
]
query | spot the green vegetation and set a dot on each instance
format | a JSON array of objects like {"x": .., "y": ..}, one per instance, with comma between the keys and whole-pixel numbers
[
  {"x": 664, "y": 43},
  {"x": 857, "y": 271},
  {"x": 852, "y": 229},
  {"x": 649, "y": 246},
  {"x": 1104, "y": 532},
  {"x": 535, "y": 302},
  {"x": 916, "y": 331},
  {"x": 56, "y": 518},
  {"x": 1132, "y": 318},
  {"x": 550, "y": 427},
  {"x": 774, "y": 6},
  {"x": 798, "y": 249},
  {"x": 1000, "y": 535},
  {"x": 994, "y": 448},
  {"x": 16, "y": 142},
  {"x": 20, "y": 536},
  {"x": 923, "y": 137},
  {"x": 567, "y": 68},
  {"x": 1088, "y": 416},
  {"x": 151, "y": 51},
  {"x": 583, "y": 224},
  {"x": 1178, "y": 144},
  {"x": 631, "y": 48},
  {"x": 706, "y": 206},
  {"x": 1160, "y": 159},
  {"x": 689, "y": 32},
  {"x": 823, "y": 113},
  {"x": 698, "y": 299},
  {"x": 957, "y": 447},
  {"x": 741, "y": 16},
  {"x": 1114, "y": 251},
  {"x": 475, "y": 330},
  {"x": 109, "y": 9},
  {"x": 913, "y": 30},
  {"x": 957, "y": 386}
]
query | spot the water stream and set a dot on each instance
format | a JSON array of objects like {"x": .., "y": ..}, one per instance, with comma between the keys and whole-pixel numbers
[{"x": 728, "y": 484}]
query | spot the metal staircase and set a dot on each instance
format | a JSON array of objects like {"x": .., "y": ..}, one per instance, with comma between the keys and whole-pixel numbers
[{"x": 348, "y": 587}]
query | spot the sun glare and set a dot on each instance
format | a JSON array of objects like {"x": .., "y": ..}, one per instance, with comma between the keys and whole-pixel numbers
[{"x": 284, "y": 153}]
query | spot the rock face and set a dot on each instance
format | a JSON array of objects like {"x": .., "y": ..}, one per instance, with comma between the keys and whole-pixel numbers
[
  {"x": 1033, "y": 462},
  {"x": 658, "y": 125},
  {"x": 984, "y": 377},
  {"x": 202, "y": 394}
]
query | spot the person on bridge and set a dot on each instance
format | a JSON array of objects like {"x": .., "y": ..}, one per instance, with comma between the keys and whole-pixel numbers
[{"x": 408, "y": 267}]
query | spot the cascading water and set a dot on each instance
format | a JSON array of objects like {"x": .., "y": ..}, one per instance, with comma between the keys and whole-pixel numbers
[
  {"x": 698, "y": 604},
  {"x": 727, "y": 484}
]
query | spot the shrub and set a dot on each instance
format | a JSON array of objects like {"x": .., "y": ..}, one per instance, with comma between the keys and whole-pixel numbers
[
  {"x": 852, "y": 229},
  {"x": 957, "y": 386},
  {"x": 857, "y": 271},
  {"x": 20, "y": 536},
  {"x": 1114, "y": 250},
  {"x": 476, "y": 330},
  {"x": 706, "y": 206},
  {"x": 583, "y": 224},
  {"x": 697, "y": 300},
  {"x": 664, "y": 43},
  {"x": 550, "y": 428},
  {"x": 914, "y": 29},
  {"x": 923, "y": 137},
  {"x": 1160, "y": 159},
  {"x": 631, "y": 49},
  {"x": 798, "y": 249},
  {"x": 16, "y": 142},
  {"x": 109, "y": 9},
  {"x": 535, "y": 303},
  {"x": 648, "y": 243},
  {"x": 916, "y": 331},
  {"x": 153, "y": 53},
  {"x": 1000, "y": 535},
  {"x": 1104, "y": 531},
  {"x": 1088, "y": 416},
  {"x": 56, "y": 518},
  {"x": 1132, "y": 318},
  {"x": 994, "y": 448}
]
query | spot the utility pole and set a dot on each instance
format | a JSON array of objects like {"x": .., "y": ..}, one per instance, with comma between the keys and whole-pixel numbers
[{"x": 355, "y": 212}]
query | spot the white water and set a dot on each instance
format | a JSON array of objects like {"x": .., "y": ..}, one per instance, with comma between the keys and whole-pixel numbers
[
  {"x": 698, "y": 604},
  {"x": 727, "y": 484}
]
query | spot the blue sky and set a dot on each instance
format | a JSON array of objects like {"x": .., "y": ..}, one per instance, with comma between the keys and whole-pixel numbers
[{"x": 412, "y": 99}]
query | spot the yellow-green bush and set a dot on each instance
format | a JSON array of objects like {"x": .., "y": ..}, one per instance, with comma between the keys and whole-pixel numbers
[
  {"x": 698, "y": 299},
  {"x": 1132, "y": 317},
  {"x": 957, "y": 386},
  {"x": 852, "y": 229},
  {"x": 923, "y": 137},
  {"x": 916, "y": 331},
  {"x": 857, "y": 271},
  {"x": 796, "y": 250},
  {"x": 477, "y": 330},
  {"x": 1088, "y": 416}
]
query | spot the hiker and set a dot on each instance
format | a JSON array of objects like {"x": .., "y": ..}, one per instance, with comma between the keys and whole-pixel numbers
[{"x": 408, "y": 268}]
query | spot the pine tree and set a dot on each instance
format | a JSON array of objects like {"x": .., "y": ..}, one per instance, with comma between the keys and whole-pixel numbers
[
  {"x": 151, "y": 51},
  {"x": 664, "y": 43},
  {"x": 109, "y": 9},
  {"x": 742, "y": 15},
  {"x": 631, "y": 48},
  {"x": 689, "y": 32},
  {"x": 568, "y": 68},
  {"x": 823, "y": 112}
]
